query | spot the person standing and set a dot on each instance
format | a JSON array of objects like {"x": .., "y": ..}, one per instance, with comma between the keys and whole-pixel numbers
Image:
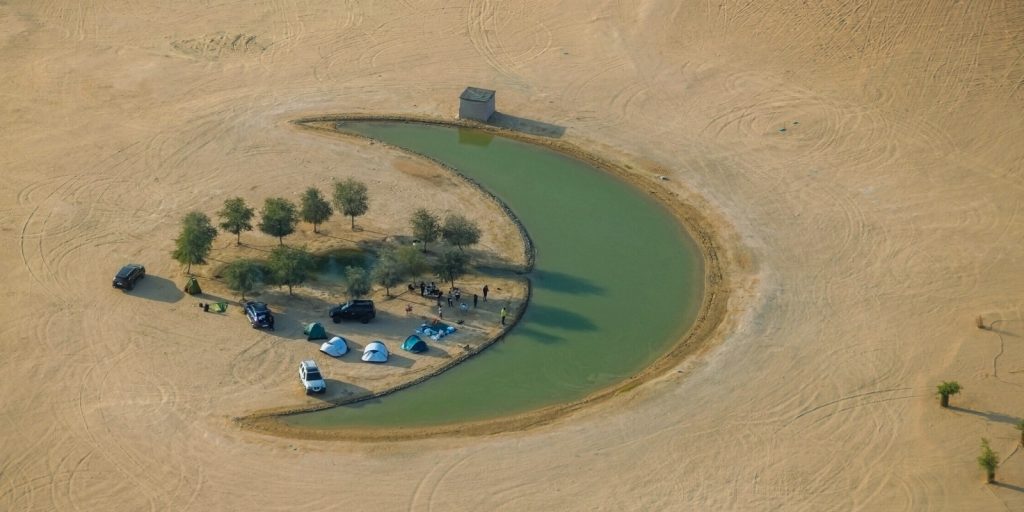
[
  {"x": 449, "y": 296},
  {"x": 475, "y": 298},
  {"x": 486, "y": 289},
  {"x": 423, "y": 288},
  {"x": 504, "y": 313},
  {"x": 440, "y": 310}
]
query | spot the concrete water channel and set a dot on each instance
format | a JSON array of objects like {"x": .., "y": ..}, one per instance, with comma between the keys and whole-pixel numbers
[{"x": 617, "y": 281}]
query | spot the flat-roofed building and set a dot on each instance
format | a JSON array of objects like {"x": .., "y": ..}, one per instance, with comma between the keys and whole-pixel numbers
[{"x": 476, "y": 104}]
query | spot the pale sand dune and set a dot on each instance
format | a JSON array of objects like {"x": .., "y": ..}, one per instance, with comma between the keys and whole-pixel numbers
[{"x": 865, "y": 239}]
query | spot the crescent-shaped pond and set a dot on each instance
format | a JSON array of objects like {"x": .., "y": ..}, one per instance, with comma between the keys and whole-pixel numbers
[{"x": 617, "y": 281}]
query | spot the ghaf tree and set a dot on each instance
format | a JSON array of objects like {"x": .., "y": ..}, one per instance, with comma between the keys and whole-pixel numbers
[
  {"x": 351, "y": 198},
  {"x": 425, "y": 227},
  {"x": 946, "y": 389},
  {"x": 451, "y": 265},
  {"x": 278, "y": 218},
  {"x": 236, "y": 217},
  {"x": 460, "y": 231},
  {"x": 387, "y": 272},
  {"x": 357, "y": 282},
  {"x": 411, "y": 262},
  {"x": 194, "y": 243},
  {"x": 988, "y": 460},
  {"x": 243, "y": 276},
  {"x": 313, "y": 208},
  {"x": 291, "y": 266}
]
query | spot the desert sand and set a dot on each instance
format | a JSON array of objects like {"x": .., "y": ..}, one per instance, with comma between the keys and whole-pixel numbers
[{"x": 860, "y": 161}]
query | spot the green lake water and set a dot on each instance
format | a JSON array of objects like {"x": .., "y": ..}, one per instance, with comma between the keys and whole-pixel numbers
[{"x": 616, "y": 282}]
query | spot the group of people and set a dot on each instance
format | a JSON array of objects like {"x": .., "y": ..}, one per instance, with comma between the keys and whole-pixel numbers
[{"x": 452, "y": 297}]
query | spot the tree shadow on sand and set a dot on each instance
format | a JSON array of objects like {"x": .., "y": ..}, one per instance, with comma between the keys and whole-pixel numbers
[
  {"x": 1008, "y": 486},
  {"x": 990, "y": 416}
]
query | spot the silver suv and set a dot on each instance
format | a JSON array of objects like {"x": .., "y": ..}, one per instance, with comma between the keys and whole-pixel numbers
[{"x": 310, "y": 376}]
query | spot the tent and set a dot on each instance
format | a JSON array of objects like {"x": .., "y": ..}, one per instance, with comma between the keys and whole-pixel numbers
[
  {"x": 315, "y": 331},
  {"x": 192, "y": 286},
  {"x": 336, "y": 347},
  {"x": 219, "y": 307},
  {"x": 375, "y": 352},
  {"x": 414, "y": 344}
]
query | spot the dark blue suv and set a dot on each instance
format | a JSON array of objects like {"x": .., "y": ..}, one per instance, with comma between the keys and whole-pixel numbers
[{"x": 259, "y": 315}]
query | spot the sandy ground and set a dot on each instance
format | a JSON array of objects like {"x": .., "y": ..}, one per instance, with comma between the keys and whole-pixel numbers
[{"x": 865, "y": 240}]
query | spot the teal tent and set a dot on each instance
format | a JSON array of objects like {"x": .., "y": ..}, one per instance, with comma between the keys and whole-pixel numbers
[
  {"x": 414, "y": 344},
  {"x": 315, "y": 331}
]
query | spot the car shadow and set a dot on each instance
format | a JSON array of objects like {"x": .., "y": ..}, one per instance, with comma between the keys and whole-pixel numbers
[
  {"x": 157, "y": 288},
  {"x": 338, "y": 392}
]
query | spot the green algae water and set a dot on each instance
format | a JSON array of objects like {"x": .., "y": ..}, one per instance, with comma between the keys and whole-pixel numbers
[{"x": 616, "y": 282}]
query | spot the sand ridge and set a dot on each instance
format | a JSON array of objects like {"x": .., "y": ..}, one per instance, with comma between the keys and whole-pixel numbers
[{"x": 867, "y": 236}]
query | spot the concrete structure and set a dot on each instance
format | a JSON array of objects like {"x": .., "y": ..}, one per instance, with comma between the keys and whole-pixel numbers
[{"x": 476, "y": 104}]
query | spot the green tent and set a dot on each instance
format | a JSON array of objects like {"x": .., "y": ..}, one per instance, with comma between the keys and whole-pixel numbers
[
  {"x": 192, "y": 286},
  {"x": 315, "y": 331}
]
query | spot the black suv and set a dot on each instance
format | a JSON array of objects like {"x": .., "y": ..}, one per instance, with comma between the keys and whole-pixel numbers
[
  {"x": 362, "y": 310},
  {"x": 259, "y": 315},
  {"x": 128, "y": 276}
]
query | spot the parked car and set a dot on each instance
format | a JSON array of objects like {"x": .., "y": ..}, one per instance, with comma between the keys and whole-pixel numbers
[
  {"x": 259, "y": 315},
  {"x": 129, "y": 275},
  {"x": 310, "y": 376},
  {"x": 362, "y": 310}
]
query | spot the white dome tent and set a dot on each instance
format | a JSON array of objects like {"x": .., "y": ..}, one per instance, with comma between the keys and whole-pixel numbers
[{"x": 375, "y": 352}]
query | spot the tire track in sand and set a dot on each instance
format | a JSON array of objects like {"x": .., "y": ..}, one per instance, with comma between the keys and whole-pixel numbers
[{"x": 422, "y": 498}]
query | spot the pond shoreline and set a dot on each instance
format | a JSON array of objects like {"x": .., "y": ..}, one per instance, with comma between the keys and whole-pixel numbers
[{"x": 698, "y": 336}]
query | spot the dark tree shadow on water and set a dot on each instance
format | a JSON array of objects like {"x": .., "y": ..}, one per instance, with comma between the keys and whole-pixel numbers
[
  {"x": 530, "y": 126},
  {"x": 557, "y": 317},
  {"x": 565, "y": 283},
  {"x": 536, "y": 335}
]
